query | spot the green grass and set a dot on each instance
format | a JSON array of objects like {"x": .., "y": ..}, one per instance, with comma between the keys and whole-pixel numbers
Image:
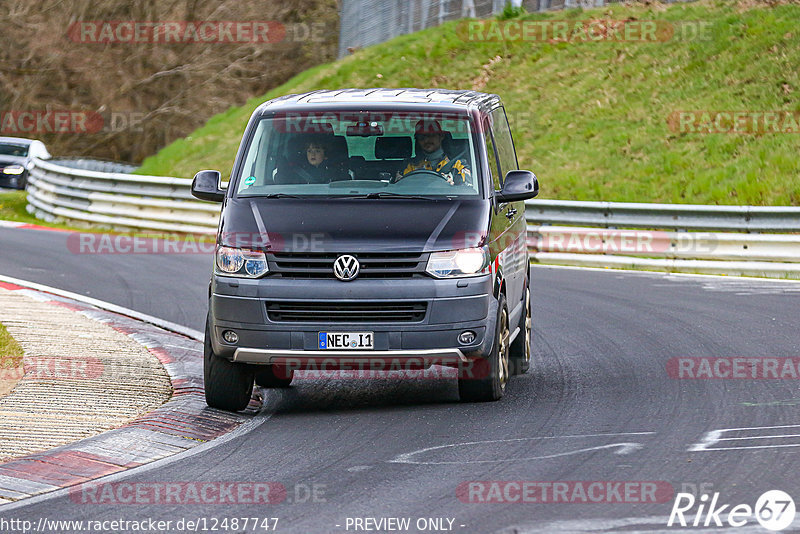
[
  {"x": 591, "y": 118},
  {"x": 12, "y": 208},
  {"x": 10, "y": 351},
  {"x": 11, "y": 362}
]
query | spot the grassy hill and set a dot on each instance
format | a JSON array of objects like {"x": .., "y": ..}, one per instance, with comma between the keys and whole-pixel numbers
[{"x": 592, "y": 119}]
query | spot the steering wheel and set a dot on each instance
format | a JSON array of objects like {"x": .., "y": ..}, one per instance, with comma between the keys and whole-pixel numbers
[{"x": 420, "y": 172}]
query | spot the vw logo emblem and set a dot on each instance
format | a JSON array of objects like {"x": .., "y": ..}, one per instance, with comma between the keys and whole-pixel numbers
[{"x": 346, "y": 268}]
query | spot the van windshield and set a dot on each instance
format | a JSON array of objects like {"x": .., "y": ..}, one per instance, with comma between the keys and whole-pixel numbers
[
  {"x": 361, "y": 154},
  {"x": 7, "y": 149}
]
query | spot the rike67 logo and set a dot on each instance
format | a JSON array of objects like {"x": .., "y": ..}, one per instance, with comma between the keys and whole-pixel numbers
[{"x": 774, "y": 510}]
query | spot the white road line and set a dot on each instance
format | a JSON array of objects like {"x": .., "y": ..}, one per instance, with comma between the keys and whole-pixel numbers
[
  {"x": 760, "y": 437},
  {"x": 750, "y": 447},
  {"x": 624, "y": 448},
  {"x": 161, "y": 323},
  {"x": 714, "y": 437},
  {"x": 758, "y": 428}
]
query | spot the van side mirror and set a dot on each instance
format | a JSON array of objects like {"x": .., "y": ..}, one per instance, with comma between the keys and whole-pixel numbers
[
  {"x": 205, "y": 186},
  {"x": 518, "y": 185}
]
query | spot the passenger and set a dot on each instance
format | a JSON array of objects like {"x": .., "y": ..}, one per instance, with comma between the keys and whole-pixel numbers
[
  {"x": 314, "y": 167},
  {"x": 430, "y": 155}
]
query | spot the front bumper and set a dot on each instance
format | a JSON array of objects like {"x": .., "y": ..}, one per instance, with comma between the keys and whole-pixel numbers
[
  {"x": 452, "y": 306},
  {"x": 344, "y": 359},
  {"x": 14, "y": 181}
]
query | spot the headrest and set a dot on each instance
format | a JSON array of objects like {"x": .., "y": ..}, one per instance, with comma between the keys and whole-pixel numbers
[
  {"x": 393, "y": 147},
  {"x": 455, "y": 147},
  {"x": 337, "y": 147}
]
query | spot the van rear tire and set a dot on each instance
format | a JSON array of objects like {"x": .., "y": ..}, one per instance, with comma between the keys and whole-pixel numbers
[{"x": 520, "y": 352}]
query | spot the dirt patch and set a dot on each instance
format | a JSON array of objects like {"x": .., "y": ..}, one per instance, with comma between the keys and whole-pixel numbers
[{"x": 480, "y": 82}]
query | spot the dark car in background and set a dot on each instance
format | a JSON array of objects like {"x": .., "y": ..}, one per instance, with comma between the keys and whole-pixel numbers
[
  {"x": 16, "y": 154},
  {"x": 374, "y": 230}
]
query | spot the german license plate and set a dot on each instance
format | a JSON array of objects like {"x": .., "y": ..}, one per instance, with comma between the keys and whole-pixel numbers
[{"x": 346, "y": 340}]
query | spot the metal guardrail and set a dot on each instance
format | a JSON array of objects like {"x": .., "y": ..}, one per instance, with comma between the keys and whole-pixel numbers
[
  {"x": 764, "y": 269},
  {"x": 672, "y": 216},
  {"x": 92, "y": 164},
  {"x": 119, "y": 200},
  {"x": 664, "y": 237},
  {"x": 767, "y": 255}
]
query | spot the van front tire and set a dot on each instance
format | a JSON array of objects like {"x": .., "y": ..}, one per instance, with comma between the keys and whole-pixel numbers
[
  {"x": 228, "y": 385},
  {"x": 486, "y": 379}
]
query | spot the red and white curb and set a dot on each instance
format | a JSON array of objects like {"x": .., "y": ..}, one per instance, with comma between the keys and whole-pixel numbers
[
  {"x": 30, "y": 226},
  {"x": 180, "y": 425}
]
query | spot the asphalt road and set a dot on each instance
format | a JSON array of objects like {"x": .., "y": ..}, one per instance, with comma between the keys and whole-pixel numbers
[
  {"x": 599, "y": 405},
  {"x": 169, "y": 286}
]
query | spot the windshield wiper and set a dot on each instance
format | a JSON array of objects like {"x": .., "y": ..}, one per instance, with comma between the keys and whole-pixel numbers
[
  {"x": 387, "y": 194},
  {"x": 280, "y": 195}
]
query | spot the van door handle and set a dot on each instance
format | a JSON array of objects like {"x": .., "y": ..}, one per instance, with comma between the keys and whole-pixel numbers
[{"x": 511, "y": 212}]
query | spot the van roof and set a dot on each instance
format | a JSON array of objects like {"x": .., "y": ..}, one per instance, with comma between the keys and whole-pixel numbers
[{"x": 467, "y": 99}]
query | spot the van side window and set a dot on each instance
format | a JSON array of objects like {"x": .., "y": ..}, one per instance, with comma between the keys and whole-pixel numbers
[
  {"x": 497, "y": 178},
  {"x": 505, "y": 145}
]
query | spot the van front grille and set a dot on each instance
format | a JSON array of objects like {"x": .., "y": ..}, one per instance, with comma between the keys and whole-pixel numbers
[
  {"x": 372, "y": 265},
  {"x": 346, "y": 312}
]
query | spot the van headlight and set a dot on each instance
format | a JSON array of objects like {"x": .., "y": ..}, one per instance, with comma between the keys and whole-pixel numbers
[
  {"x": 240, "y": 262},
  {"x": 14, "y": 169},
  {"x": 457, "y": 263}
]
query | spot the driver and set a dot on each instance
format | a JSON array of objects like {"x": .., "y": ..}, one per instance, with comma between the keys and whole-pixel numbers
[{"x": 430, "y": 155}]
